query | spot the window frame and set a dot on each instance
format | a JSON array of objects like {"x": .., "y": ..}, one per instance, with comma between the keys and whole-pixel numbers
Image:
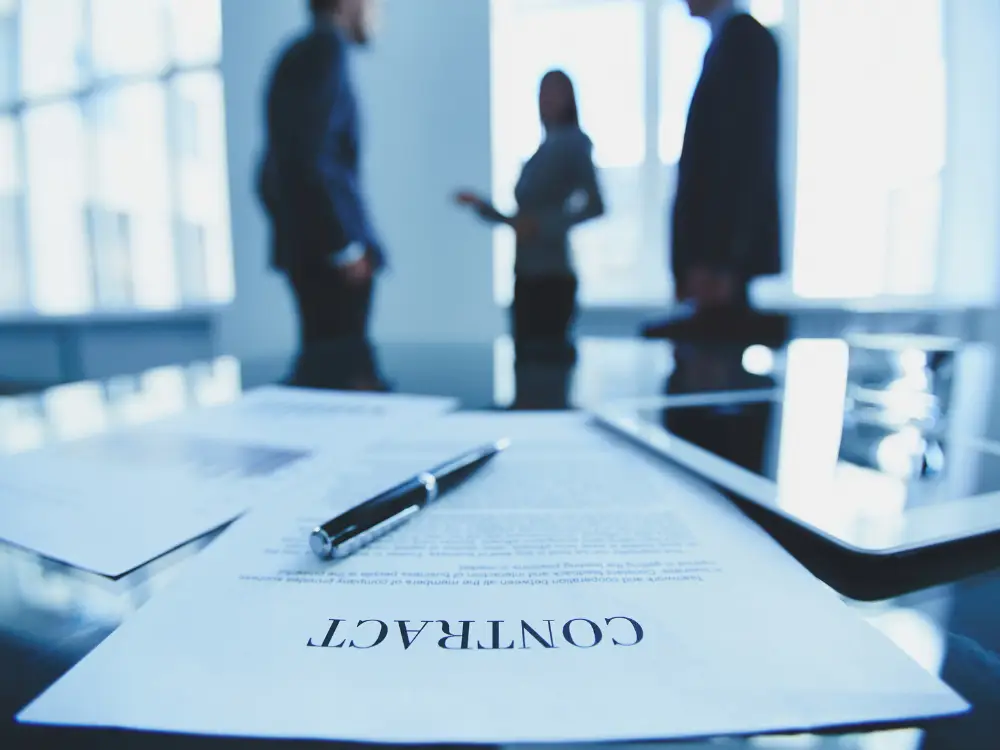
[{"x": 90, "y": 87}]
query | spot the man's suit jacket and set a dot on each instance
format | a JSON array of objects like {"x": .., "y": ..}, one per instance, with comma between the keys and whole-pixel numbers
[
  {"x": 726, "y": 209},
  {"x": 309, "y": 179}
]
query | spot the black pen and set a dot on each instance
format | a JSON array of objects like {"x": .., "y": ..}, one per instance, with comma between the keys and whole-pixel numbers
[{"x": 362, "y": 524}]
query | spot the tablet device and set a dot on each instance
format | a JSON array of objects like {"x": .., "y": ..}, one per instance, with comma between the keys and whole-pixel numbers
[{"x": 882, "y": 445}]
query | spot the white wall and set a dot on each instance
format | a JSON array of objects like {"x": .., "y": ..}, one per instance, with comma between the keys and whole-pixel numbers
[
  {"x": 424, "y": 86},
  {"x": 261, "y": 319}
]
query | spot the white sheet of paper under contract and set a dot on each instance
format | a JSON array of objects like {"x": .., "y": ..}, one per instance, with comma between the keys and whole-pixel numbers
[
  {"x": 575, "y": 590},
  {"x": 112, "y": 502}
]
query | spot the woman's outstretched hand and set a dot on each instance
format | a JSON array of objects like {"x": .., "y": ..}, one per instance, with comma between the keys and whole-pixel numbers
[{"x": 469, "y": 198}]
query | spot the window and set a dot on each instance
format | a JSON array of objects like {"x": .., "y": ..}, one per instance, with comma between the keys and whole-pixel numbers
[
  {"x": 201, "y": 197},
  {"x": 52, "y": 47},
  {"x": 8, "y": 52},
  {"x": 685, "y": 41},
  {"x": 130, "y": 198},
  {"x": 11, "y": 268},
  {"x": 56, "y": 192},
  {"x": 113, "y": 191},
  {"x": 140, "y": 51},
  {"x": 635, "y": 64},
  {"x": 879, "y": 112}
]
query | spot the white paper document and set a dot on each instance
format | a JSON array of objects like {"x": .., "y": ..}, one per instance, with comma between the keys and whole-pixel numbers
[
  {"x": 112, "y": 502},
  {"x": 574, "y": 590}
]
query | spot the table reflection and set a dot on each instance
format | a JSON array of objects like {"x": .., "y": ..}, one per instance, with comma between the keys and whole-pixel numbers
[
  {"x": 79, "y": 410},
  {"x": 888, "y": 432},
  {"x": 543, "y": 375},
  {"x": 895, "y": 401},
  {"x": 347, "y": 365},
  {"x": 738, "y": 434}
]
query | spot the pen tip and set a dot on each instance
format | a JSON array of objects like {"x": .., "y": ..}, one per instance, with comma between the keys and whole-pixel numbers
[{"x": 502, "y": 444}]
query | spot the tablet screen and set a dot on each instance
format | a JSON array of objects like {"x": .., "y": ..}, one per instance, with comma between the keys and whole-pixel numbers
[
  {"x": 918, "y": 468},
  {"x": 876, "y": 459}
]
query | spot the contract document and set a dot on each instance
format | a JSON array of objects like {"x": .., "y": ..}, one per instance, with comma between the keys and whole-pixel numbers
[
  {"x": 112, "y": 502},
  {"x": 575, "y": 589}
]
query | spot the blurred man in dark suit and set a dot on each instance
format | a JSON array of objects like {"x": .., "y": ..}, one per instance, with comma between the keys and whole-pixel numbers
[
  {"x": 725, "y": 217},
  {"x": 323, "y": 240}
]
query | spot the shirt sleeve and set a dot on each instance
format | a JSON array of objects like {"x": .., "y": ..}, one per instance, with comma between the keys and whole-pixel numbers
[{"x": 488, "y": 212}]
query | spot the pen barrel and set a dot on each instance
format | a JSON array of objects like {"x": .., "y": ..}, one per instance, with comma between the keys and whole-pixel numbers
[
  {"x": 411, "y": 492},
  {"x": 449, "y": 477}
]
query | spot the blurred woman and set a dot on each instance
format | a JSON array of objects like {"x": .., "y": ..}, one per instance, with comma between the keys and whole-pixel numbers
[{"x": 556, "y": 191}]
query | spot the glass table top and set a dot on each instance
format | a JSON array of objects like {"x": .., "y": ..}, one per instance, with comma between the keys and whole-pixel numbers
[{"x": 943, "y": 609}]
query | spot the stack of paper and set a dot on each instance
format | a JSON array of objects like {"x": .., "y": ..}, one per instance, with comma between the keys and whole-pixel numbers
[
  {"x": 112, "y": 502},
  {"x": 574, "y": 590}
]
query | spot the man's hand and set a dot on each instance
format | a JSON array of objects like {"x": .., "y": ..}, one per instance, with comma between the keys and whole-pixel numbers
[
  {"x": 360, "y": 271},
  {"x": 526, "y": 227}
]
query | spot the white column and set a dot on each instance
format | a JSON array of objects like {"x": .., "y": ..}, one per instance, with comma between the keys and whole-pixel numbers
[
  {"x": 425, "y": 90},
  {"x": 653, "y": 173},
  {"x": 261, "y": 319},
  {"x": 968, "y": 268},
  {"x": 777, "y": 291}
]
